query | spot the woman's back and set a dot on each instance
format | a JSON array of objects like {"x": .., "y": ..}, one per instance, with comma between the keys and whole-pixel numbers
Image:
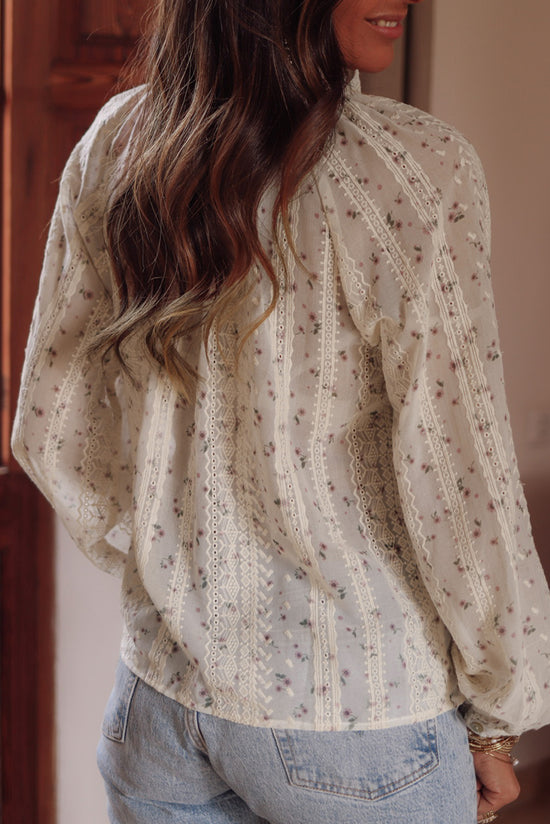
[{"x": 292, "y": 530}]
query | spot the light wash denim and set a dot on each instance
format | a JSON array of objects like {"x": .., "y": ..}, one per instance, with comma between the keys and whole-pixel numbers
[{"x": 165, "y": 764}]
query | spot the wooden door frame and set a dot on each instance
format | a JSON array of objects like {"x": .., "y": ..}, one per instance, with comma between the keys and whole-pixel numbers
[
  {"x": 26, "y": 643},
  {"x": 55, "y": 76},
  {"x": 26, "y": 540}
]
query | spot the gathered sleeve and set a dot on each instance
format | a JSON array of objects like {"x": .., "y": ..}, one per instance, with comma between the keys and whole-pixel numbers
[
  {"x": 456, "y": 468},
  {"x": 68, "y": 434},
  {"x": 414, "y": 237}
]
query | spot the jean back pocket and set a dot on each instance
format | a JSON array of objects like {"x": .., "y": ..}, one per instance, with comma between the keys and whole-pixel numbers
[{"x": 366, "y": 764}]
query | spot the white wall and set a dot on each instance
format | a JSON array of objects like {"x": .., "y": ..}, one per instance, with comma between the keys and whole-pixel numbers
[
  {"x": 88, "y": 628},
  {"x": 490, "y": 77}
]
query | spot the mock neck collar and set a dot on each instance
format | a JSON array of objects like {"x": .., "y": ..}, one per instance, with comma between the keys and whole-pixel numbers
[{"x": 354, "y": 83}]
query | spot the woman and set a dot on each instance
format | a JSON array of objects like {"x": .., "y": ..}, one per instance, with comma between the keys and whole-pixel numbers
[{"x": 263, "y": 384}]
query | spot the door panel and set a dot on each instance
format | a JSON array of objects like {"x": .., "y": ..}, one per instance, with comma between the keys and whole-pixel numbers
[
  {"x": 121, "y": 20},
  {"x": 60, "y": 62}
]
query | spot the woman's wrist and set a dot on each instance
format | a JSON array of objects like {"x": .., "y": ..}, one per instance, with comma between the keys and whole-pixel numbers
[
  {"x": 497, "y": 747},
  {"x": 503, "y": 743}
]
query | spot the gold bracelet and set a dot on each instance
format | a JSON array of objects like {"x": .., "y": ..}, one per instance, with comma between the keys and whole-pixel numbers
[
  {"x": 506, "y": 758},
  {"x": 488, "y": 817},
  {"x": 505, "y": 744}
]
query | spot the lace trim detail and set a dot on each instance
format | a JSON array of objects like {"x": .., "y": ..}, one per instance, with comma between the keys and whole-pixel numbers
[{"x": 327, "y": 698}]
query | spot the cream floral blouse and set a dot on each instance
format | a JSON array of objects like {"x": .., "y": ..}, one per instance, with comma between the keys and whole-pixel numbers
[{"x": 333, "y": 535}]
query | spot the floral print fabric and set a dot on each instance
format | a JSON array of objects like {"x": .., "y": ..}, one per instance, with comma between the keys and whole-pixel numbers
[{"x": 333, "y": 535}]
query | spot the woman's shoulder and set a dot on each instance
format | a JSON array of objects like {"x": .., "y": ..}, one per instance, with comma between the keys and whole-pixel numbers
[
  {"x": 407, "y": 134},
  {"x": 387, "y": 110},
  {"x": 90, "y": 166}
]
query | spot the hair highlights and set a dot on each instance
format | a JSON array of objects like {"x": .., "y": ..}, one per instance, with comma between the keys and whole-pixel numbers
[{"x": 240, "y": 95}]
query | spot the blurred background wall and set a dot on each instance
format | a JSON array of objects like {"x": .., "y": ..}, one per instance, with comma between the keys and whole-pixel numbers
[{"x": 489, "y": 75}]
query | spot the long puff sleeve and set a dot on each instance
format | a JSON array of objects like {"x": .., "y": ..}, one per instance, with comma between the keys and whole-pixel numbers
[
  {"x": 457, "y": 475},
  {"x": 418, "y": 285},
  {"x": 68, "y": 433}
]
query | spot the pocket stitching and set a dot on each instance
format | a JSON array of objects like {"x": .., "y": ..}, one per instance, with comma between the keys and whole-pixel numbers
[
  {"x": 350, "y": 791},
  {"x": 115, "y": 729}
]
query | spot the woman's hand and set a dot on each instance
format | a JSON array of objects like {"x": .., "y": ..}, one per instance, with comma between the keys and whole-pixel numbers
[{"x": 497, "y": 784}]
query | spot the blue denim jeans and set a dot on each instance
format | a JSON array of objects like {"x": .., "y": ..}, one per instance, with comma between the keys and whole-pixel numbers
[{"x": 163, "y": 763}]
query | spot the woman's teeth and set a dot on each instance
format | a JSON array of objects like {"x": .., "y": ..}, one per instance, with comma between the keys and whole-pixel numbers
[{"x": 385, "y": 24}]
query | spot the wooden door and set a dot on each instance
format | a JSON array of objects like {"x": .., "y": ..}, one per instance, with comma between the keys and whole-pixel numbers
[{"x": 60, "y": 62}]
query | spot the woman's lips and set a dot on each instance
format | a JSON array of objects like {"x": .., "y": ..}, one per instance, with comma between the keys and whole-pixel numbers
[{"x": 390, "y": 27}]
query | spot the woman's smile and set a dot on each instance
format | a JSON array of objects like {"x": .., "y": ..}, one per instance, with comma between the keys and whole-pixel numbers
[
  {"x": 388, "y": 26},
  {"x": 366, "y": 31}
]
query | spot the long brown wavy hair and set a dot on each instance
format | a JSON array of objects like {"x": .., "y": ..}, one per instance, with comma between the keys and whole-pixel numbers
[{"x": 240, "y": 94}]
